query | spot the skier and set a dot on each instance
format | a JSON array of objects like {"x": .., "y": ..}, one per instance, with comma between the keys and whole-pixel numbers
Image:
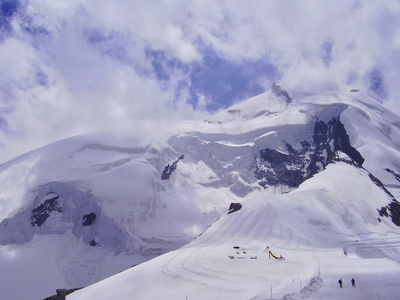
[
  {"x": 340, "y": 283},
  {"x": 353, "y": 282}
]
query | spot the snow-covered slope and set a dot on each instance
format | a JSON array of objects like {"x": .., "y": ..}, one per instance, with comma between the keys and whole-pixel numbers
[
  {"x": 99, "y": 205},
  {"x": 312, "y": 228},
  {"x": 315, "y": 176}
]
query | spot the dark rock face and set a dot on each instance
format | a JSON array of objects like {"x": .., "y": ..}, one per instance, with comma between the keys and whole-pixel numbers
[
  {"x": 89, "y": 219},
  {"x": 234, "y": 207},
  {"x": 42, "y": 212},
  {"x": 394, "y": 209},
  {"x": 283, "y": 168},
  {"x": 391, "y": 210},
  {"x": 294, "y": 166},
  {"x": 60, "y": 207},
  {"x": 326, "y": 135},
  {"x": 342, "y": 142},
  {"x": 166, "y": 174},
  {"x": 396, "y": 175}
]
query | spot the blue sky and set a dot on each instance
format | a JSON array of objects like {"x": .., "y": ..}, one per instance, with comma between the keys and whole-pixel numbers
[
  {"x": 220, "y": 80},
  {"x": 87, "y": 66}
]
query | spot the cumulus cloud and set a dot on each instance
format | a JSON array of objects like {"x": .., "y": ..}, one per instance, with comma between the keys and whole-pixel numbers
[{"x": 72, "y": 67}]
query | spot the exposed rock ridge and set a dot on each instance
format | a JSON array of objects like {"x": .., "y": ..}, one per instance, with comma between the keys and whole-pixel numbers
[
  {"x": 391, "y": 210},
  {"x": 292, "y": 167},
  {"x": 166, "y": 174},
  {"x": 43, "y": 211}
]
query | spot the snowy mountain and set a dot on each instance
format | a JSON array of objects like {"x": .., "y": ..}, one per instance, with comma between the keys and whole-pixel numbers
[{"x": 313, "y": 177}]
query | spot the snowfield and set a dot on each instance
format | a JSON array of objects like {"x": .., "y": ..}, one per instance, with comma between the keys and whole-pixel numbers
[
  {"x": 317, "y": 179},
  {"x": 323, "y": 236}
]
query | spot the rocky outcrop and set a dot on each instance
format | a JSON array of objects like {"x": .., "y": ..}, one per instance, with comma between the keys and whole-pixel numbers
[
  {"x": 277, "y": 168},
  {"x": 170, "y": 168},
  {"x": 234, "y": 207},
  {"x": 43, "y": 210},
  {"x": 391, "y": 210},
  {"x": 396, "y": 175},
  {"x": 58, "y": 208},
  {"x": 89, "y": 219},
  {"x": 293, "y": 166}
]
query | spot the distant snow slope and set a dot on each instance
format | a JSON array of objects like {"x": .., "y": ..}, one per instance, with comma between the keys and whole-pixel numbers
[{"x": 315, "y": 176}]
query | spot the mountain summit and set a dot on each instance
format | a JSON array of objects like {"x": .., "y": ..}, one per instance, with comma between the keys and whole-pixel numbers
[{"x": 314, "y": 179}]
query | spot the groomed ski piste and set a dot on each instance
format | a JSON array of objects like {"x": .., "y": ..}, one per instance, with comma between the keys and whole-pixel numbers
[{"x": 325, "y": 230}]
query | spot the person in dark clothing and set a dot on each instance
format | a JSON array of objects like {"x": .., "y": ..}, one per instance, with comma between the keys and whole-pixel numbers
[
  {"x": 340, "y": 283},
  {"x": 353, "y": 282}
]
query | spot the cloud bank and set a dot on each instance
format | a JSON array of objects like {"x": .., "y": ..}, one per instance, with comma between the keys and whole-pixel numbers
[{"x": 87, "y": 66}]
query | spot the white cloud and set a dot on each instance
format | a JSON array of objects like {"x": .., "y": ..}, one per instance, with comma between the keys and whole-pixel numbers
[{"x": 82, "y": 65}]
